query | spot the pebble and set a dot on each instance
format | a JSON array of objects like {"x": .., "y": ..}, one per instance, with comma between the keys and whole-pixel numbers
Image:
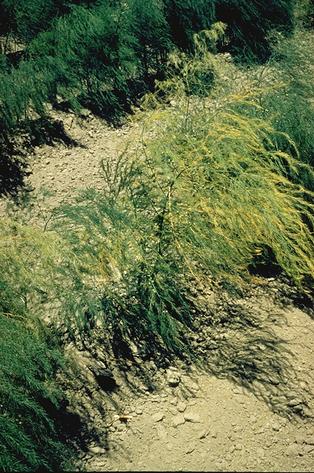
[
  {"x": 292, "y": 450},
  {"x": 260, "y": 452},
  {"x": 203, "y": 434},
  {"x": 189, "y": 449},
  {"x": 238, "y": 447},
  {"x": 158, "y": 416},
  {"x": 97, "y": 450},
  {"x": 295, "y": 402},
  {"x": 191, "y": 417},
  {"x": 155, "y": 399},
  {"x": 308, "y": 448},
  {"x": 300, "y": 438},
  {"x": 181, "y": 406},
  {"x": 139, "y": 411},
  {"x": 194, "y": 386},
  {"x": 178, "y": 420},
  {"x": 173, "y": 378},
  {"x": 275, "y": 426},
  {"x": 161, "y": 432}
]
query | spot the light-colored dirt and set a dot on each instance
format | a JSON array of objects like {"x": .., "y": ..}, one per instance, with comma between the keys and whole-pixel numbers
[
  {"x": 211, "y": 424},
  {"x": 205, "y": 423}
]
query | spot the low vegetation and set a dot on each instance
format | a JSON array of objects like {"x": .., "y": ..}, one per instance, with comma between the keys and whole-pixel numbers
[{"x": 222, "y": 175}]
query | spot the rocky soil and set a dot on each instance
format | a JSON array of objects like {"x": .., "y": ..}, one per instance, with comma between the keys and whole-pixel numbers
[
  {"x": 144, "y": 414},
  {"x": 184, "y": 418}
]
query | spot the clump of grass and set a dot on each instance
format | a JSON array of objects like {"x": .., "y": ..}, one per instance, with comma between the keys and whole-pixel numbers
[
  {"x": 29, "y": 439},
  {"x": 205, "y": 191},
  {"x": 291, "y": 107}
]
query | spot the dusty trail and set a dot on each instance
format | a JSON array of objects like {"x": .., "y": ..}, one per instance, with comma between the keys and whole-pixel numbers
[
  {"x": 203, "y": 423},
  {"x": 211, "y": 424}
]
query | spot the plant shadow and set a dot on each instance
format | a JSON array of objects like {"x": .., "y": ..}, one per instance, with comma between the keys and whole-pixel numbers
[{"x": 16, "y": 147}]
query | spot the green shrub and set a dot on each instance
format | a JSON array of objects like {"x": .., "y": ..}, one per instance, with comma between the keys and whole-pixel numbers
[
  {"x": 206, "y": 190},
  {"x": 291, "y": 107},
  {"x": 101, "y": 54},
  {"x": 87, "y": 56},
  {"x": 186, "y": 17},
  {"x": 23, "y": 20},
  {"x": 147, "y": 22},
  {"x": 251, "y": 22},
  {"x": 28, "y": 438},
  {"x": 31, "y": 403}
]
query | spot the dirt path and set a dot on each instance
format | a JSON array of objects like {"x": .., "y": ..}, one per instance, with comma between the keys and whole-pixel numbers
[
  {"x": 211, "y": 424},
  {"x": 58, "y": 172},
  {"x": 204, "y": 423}
]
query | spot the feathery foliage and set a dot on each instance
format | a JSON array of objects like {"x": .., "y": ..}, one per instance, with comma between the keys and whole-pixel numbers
[
  {"x": 205, "y": 191},
  {"x": 29, "y": 355},
  {"x": 292, "y": 106},
  {"x": 97, "y": 53},
  {"x": 251, "y": 23},
  {"x": 28, "y": 438}
]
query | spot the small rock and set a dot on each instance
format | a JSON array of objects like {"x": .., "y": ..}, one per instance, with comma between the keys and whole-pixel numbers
[
  {"x": 295, "y": 402},
  {"x": 292, "y": 450},
  {"x": 97, "y": 450},
  {"x": 307, "y": 412},
  {"x": 191, "y": 417},
  {"x": 308, "y": 448},
  {"x": 158, "y": 417},
  {"x": 161, "y": 432},
  {"x": 189, "y": 449},
  {"x": 238, "y": 447},
  {"x": 203, "y": 434},
  {"x": 309, "y": 440},
  {"x": 178, "y": 420},
  {"x": 173, "y": 378},
  {"x": 84, "y": 113},
  {"x": 139, "y": 411},
  {"x": 193, "y": 386},
  {"x": 300, "y": 438},
  {"x": 181, "y": 406},
  {"x": 275, "y": 426},
  {"x": 260, "y": 452}
]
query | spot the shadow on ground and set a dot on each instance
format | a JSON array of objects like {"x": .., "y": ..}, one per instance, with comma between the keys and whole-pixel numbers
[
  {"x": 235, "y": 339},
  {"x": 16, "y": 147}
]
